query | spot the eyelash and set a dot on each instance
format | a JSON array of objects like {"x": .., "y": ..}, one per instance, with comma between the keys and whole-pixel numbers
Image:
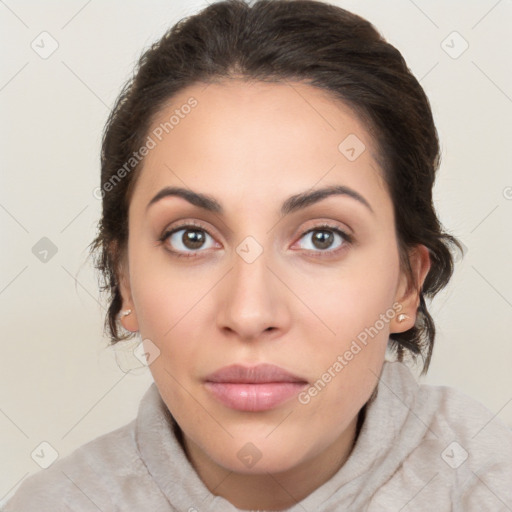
[{"x": 348, "y": 239}]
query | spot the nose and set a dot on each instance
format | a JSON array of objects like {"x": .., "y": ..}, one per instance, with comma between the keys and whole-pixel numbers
[{"x": 253, "y": 301}]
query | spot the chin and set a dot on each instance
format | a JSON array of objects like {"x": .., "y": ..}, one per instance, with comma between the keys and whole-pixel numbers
[
  {"x": 254, "y": 454},
  {"x": 251, "y": 461}
]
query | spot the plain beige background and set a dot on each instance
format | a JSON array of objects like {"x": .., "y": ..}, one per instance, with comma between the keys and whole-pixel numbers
[{"x": 61, "y": 385}]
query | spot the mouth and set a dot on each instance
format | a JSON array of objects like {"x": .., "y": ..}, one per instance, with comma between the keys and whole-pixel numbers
[{"x": 253, "y": 389}]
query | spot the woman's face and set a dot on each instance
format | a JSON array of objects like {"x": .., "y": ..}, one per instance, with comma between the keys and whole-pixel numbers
[{"x": 260, "y": 274}]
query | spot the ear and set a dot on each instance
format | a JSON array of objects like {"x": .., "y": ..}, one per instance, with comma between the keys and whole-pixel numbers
[
  {"x": 129, "y": 322},
  {"x": 408, "y": 292}
]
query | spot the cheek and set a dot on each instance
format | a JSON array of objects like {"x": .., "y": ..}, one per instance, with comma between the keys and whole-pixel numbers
[
  {"x": 165, "y": 293},
  {"x": 348, "y": 300},
  {"x": 173, "y": 307},
  {"x": 356, "y": 307}
]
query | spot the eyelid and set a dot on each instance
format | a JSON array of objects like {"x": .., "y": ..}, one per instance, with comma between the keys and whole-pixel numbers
[
  {"x": 181, "y": 224},
  {"x": 327, "y": 223}
]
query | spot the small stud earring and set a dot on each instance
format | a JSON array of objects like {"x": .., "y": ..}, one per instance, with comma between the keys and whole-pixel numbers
[
  {"x": 402, "y": 317},
  {"x": 125, "y": 313}
]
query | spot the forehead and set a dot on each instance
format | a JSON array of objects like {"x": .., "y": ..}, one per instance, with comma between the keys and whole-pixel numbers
[{"x": 254, "y": 138}]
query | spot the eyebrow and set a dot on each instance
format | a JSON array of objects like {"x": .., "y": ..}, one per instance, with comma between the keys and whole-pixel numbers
[{"x": 292, "y": 204}]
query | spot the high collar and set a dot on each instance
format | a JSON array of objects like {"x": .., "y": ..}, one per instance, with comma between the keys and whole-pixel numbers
[{"x": 373, "y": 460}]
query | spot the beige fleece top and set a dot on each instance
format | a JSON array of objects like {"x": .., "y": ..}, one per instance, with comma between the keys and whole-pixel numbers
[{"x": 421, "y": 448}]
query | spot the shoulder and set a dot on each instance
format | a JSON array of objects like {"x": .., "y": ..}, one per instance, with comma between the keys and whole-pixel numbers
[
  {"x": 448, "y": 412},
  {"x": 456, "y": 414},
  {"x": 450, "y": 448},
  {"x": 83, "y": 480},
  {"x": 472, "y": 445}
]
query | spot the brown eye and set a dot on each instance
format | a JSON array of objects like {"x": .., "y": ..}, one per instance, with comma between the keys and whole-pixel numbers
[
  {"x": 192, "y": 239},
  {"x": 325, "y": 239},
  {"x": 322, "y": 239},
  {"x": 186, "y": 240}
]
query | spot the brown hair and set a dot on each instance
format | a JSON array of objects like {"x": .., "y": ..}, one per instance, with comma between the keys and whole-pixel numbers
[{"x": 277, "y": 40}]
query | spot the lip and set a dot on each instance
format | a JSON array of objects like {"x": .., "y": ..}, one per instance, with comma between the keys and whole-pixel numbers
[{"x": 253, "y": 388}]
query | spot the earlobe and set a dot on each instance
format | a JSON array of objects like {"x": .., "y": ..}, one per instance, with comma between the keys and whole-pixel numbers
[
  {"x": 128, "y": 320},
  {"x": 126, "y": 316},
  {"x": 409, "y": 299}
]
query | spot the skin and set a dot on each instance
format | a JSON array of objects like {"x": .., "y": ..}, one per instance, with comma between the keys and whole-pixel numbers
[{"x": 251, "y": 146}]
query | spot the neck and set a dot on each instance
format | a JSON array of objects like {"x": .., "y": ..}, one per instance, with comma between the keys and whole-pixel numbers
[{"x": 274, "y": 491}]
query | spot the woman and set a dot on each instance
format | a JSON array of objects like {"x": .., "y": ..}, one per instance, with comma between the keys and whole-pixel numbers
[{"x": 268, "y": 230}]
